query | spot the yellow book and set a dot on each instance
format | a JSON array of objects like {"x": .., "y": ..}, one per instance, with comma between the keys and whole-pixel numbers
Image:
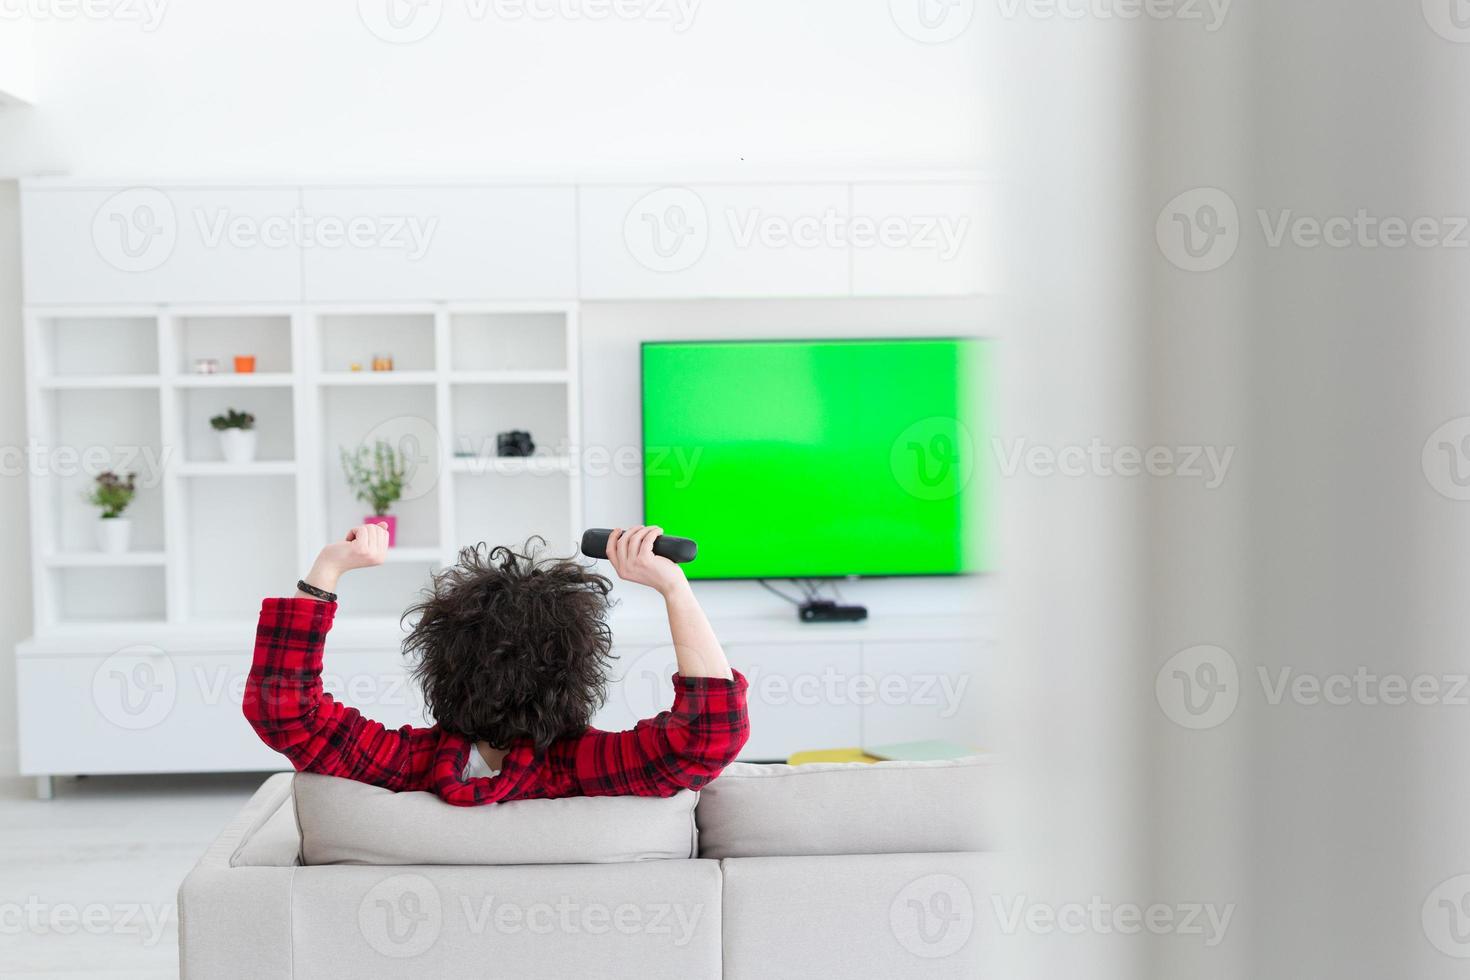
[{"x": 830, "y": 755}]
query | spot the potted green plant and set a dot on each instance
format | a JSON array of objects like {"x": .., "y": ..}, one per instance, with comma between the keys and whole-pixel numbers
[
  {"x": 236, "y": 435},
  {"x": 112, "y": 494},
  {"x": 376, "y": 477}
]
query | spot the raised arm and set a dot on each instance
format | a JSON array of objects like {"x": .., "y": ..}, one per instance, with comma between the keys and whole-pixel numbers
[
  {"x": 284, "y": 700},
  {"x": 688, "y": 745},
  {"x": 696, "y": 647}
]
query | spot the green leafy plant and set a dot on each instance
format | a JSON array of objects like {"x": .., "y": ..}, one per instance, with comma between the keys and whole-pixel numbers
[
  {"x": 233, "y": 419},
  {"x": 113, "y": 493},
  {"x": 375, "y": 475}
]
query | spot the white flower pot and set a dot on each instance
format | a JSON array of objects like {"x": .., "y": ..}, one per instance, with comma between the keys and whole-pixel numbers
[
  {"x": 113, "y": 534},
  {"x": 237, "y": 445}
]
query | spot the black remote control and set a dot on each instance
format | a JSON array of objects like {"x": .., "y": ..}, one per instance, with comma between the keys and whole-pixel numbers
[{"x": 594, "y": 545}]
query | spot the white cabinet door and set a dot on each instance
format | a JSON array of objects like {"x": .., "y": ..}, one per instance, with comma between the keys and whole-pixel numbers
[
  {"x": 801, "y": 694},
  {"x": 713, "y": 240},
  {"x": 922, "y": 691},
  {"x": 144, "y": 710},
  {"x": 139, "y": 710},
  {"x": 160, "y": 244},
  {"x": 443, "y": 243},
  {"x": 925, "y": 239},
  {"x": 641, "y": 685}
]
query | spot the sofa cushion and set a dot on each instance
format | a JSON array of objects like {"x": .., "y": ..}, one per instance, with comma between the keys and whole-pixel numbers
[
  {"x": 346, "y": 822},
  {"x": 274, "y": 844},
  {"x": 915, "y": 916},
  {"x": 656, "y": 920},
  {"x": 847, "y": 808}
]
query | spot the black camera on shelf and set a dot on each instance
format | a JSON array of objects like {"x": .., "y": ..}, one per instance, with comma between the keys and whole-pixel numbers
[{"x": 514, "y": 443}]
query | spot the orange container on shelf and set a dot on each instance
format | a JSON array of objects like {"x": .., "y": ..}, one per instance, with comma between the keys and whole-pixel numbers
[{"x": 244, "y": 363}]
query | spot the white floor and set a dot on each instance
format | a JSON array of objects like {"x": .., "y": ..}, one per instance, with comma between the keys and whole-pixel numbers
[{"x": 88, "y": 880}]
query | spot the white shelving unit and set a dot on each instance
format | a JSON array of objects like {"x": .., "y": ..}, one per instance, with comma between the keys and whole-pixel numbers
[{"x": 113, "y": 388}]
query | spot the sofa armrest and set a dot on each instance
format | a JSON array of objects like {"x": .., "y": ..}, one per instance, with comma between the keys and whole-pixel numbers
[
  {"x": 235, "y": 923},
  {"x": 234, "y": 919},
  {"x": 241, "y": 844}
]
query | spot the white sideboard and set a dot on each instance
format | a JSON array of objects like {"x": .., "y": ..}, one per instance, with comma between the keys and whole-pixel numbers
[{"x": 151, "y": 699}]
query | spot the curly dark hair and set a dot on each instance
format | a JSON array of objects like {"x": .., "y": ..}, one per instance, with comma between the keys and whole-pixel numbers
[{"x": 512, "y": 645}]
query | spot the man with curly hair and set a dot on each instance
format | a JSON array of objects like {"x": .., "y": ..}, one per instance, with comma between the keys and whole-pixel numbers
[{"x": 512, "y": 655}]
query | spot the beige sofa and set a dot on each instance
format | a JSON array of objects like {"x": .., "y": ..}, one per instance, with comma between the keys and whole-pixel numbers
[{"x": 772, "y": 871}]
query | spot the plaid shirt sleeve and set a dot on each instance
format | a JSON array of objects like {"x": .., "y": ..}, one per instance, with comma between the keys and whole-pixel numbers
[
  {"x": 288, "y": 709},
  {"x": 683, "y": 748}
]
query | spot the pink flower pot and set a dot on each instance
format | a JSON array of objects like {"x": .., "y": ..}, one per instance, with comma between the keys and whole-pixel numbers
[{"x": 389, "y": 521}]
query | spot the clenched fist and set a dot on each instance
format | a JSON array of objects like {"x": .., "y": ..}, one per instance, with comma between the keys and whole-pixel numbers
[
  {"x": 364, "y": 546},
  {"x": 632, "y": 557}
]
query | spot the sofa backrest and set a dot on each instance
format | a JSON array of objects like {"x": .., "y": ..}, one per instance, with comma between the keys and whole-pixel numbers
[
  {"x": 848, "y": 808},
  {"x": 346, "y": 822}
]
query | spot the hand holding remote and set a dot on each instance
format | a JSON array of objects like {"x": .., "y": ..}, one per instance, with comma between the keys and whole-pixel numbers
[
  {"x": 595, "y": 545},
  {"x": 633, "y": 558}
]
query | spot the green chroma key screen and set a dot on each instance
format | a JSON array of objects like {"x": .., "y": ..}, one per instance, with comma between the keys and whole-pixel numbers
[{"x": 795, "y": 459}]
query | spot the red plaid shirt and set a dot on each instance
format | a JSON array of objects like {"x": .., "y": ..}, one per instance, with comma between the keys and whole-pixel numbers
[{"x": 679, "y": 749}]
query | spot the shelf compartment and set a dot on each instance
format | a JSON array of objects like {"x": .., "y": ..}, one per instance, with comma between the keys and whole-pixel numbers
[
  {"x": 226, "y": 581},
  {"x": 509, "y": 509},
  {"x": 275, "y": 439},
  {"x": 98, "y": 346},
  {"x": 347, "y": 339},
  {"x": 97, "y": 594},
  {"x": 509, "y": 341},
  {"x": 404, "y": 417},
  {"x": 267, "y": 338},
  {"x": 386, "y": 591},
  {"x": 102, "y": 429},
  {"x": 481, "y": 411}
]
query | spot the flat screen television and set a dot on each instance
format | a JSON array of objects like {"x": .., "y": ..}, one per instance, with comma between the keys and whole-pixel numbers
[{"x": 818, "y": 458}]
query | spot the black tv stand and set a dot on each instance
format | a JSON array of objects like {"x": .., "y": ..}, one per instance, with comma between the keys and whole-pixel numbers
[
  {"x": 828, "y": 611},
  {"x": 812, "y": 608}
]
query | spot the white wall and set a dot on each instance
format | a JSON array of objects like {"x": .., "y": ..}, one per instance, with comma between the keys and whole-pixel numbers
[
  {"x": 308, "y": 89},
  {"x": 15, "y": 549},
  {"x": 17, "y": 61}
]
